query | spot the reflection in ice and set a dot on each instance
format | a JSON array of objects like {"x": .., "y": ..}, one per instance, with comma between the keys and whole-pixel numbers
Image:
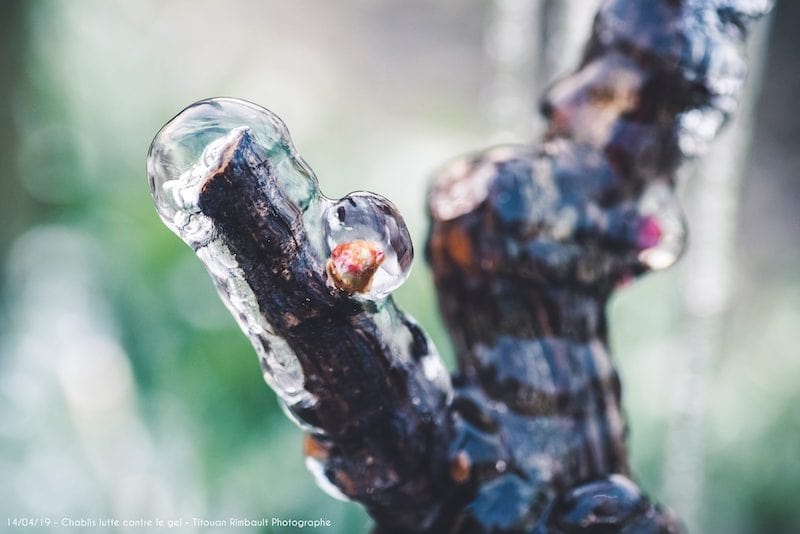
[
  {"x": 365, "y": 243},
  {"x": 382, "y": 244}
]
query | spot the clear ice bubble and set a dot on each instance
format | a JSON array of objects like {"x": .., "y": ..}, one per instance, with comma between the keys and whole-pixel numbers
[
  {"x": 368, "y": 245},
  {"x": 190, "y": 144},
  {"x": 662, "y": 229}
]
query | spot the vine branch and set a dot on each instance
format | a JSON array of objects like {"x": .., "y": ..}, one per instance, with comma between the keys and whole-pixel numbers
[{"x": 526, "y": 246}]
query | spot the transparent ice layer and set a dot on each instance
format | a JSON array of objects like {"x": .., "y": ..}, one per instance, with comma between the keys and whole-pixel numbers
[
  {"x": 363, "y": 216},
  {"x": 191, "y": 142},
  {"x": 317, "y": 469},
  {"x": 180, "y": 160},
  {"x": 663, "y": 217}
]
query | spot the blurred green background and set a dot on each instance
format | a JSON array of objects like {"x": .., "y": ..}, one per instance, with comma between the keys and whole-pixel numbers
[{"x": 126, "y": 389}]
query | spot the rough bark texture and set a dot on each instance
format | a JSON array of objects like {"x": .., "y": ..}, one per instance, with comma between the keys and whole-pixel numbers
[{"x": 526, "y": 245}]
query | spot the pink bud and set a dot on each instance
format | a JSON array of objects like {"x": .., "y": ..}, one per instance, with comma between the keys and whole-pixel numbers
[{"x": 649, "y": 233}]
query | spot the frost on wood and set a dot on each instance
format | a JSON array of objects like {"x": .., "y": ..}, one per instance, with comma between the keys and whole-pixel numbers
[{"x": 526, "y": 245}]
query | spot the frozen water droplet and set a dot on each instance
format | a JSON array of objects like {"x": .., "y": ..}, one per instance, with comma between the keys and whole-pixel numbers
[
  {"x": 368, "y": 245},
  {"x": 662, "y": 231},
  {"x": 317, "y": 470}
]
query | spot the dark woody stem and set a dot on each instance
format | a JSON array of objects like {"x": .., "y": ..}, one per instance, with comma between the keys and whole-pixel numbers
[{"x": 373, "y": 410}]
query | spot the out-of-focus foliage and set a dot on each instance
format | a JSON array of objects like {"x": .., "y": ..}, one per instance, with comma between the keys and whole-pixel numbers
[{"x": 127, "y": 390}]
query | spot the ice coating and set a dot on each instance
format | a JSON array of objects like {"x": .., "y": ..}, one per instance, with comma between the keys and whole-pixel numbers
[
  {"x": 280, "y": 367},
  {"x": 317, "y": 469},
  {"x": 308, "y": 280},
  {"x": 192, "y": 140},
  {"x": 662, "y": 229},
  {"x": 526, "y": 247},
  {"x": 361, "y": 238},
  {"x": 181, "y": 157},
  {"x": 374, "y": 221},
  {"x": 191, "y": 144}
]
